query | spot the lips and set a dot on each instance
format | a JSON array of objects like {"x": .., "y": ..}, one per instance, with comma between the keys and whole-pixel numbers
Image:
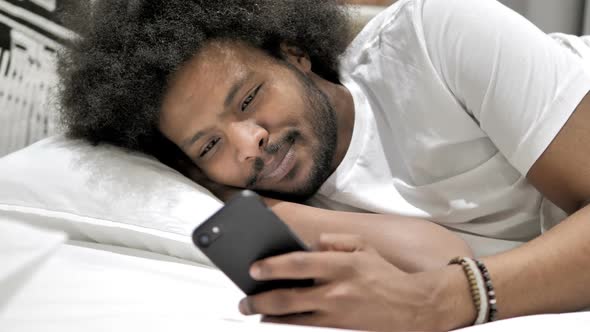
[{"x": 280, "y": 164}]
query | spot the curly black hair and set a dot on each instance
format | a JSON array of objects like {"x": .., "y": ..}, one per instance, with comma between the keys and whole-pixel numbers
[{"x": 113, "y": 77}]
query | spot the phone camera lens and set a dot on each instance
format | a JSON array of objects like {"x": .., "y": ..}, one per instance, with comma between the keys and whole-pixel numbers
[{"x": 204, "y": 240}]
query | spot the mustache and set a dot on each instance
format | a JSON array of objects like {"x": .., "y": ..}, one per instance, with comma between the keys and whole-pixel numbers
[{"x": 270, "y": 149}]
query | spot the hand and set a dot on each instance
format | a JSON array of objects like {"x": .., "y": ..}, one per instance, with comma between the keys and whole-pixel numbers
[{"x": 355, "y": 288}]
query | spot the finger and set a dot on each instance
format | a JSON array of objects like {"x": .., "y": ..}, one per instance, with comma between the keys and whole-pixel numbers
[
  {"x": 341, "y": 242},
  {"x": 320, "y": 266},
  {"x": 280, "y": 302}
]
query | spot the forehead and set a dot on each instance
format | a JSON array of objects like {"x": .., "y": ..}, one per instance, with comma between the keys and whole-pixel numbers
[
  {"x": 213, "y": 67},
  {"x": 202, "y": 82}
]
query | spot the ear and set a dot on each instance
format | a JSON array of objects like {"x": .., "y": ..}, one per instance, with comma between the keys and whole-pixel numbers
[{"x": 297, "y": 57}]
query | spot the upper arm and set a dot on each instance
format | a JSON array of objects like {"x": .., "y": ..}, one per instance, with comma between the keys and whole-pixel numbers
[
  {"x": 562, "y": 173},
  {"x": 517, "y": 82},
  {"x": 521, "y": 86}
]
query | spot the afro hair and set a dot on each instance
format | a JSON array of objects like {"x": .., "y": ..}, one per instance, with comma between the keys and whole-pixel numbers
[{"x": 114, "y": 75}]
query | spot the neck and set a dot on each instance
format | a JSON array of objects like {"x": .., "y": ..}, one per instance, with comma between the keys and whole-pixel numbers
[{"x": 343, "y": 104}]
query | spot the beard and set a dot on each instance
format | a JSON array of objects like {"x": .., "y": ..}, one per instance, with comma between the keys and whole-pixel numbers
[{"x": 321, "y": 116}]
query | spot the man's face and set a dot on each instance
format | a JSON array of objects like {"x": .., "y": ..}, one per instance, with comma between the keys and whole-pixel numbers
[{"x": 248, "y": 120}]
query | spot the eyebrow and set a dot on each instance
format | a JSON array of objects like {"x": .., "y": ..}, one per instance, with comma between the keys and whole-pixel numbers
[
  {"x": 229, "y": 99},
  {"x": 231, "y": 95}
]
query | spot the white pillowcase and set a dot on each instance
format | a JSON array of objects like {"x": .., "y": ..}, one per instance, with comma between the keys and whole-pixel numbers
[{"x": 104, "y": 194}]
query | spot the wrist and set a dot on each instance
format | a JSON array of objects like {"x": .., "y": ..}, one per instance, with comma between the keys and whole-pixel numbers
[{"x": 452, "y": 300}]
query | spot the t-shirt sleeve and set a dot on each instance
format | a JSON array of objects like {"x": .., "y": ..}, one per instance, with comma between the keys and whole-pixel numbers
[{"x": 517, "y": 82}]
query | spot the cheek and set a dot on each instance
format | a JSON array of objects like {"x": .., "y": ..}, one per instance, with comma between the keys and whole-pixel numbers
[
  {"x": 308, "y": 148},
  {"x": 224, "y": 171},
  {"x": 285, "y": 104}
]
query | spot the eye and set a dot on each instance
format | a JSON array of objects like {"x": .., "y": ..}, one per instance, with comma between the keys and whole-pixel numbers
[
  {"x": 209, "y": 146},
  {"x": 250, "y": 98}
]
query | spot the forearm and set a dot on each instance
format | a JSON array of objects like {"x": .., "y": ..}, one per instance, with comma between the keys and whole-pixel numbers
[
  {"x": 411, "y": 244},
  {"x": 547, "y": 275}
]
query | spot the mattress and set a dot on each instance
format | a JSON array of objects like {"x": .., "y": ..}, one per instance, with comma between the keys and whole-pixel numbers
[{"x": 98, "y": 287}]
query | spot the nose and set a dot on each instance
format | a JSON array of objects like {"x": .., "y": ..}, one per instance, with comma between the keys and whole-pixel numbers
[{"x": 248, "y": 138}]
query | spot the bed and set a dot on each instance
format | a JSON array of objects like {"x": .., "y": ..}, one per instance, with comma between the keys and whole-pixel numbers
[
  {"x": 95, "y": 287},
  {"x": 97, "y": 238}
]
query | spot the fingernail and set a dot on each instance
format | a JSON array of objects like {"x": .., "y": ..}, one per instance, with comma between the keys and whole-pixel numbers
[
  {"x": 244, "y": 307},
  {"x": 255, "y": 272}
]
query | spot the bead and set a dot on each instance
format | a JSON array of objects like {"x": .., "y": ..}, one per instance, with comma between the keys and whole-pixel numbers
[
  {"x": 492, "y": 311},
  {"x": 474, "y": 275}
]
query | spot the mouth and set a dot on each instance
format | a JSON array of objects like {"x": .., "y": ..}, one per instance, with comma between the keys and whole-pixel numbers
[{"x": 281, "y": 164}]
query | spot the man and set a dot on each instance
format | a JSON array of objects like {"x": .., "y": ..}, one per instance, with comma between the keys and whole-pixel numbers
[{"x": 457, "y": 111}]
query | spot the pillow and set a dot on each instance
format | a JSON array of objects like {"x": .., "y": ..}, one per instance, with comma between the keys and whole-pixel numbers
[{"x": 104, "y": 194}]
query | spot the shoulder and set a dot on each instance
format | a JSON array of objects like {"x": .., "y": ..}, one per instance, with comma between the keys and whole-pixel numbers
[{"x": 392, "y": 26}]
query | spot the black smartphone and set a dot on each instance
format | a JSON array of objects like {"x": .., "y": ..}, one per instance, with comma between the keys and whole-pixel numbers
[{"x": 244, "y": 231}]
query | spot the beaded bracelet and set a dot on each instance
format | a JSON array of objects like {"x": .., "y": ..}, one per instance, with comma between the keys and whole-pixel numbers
[
  {"x": 477, "y": 287},
  {"x": 491, "y": 293}
]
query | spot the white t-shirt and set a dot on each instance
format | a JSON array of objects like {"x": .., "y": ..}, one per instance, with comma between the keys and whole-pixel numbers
[{"x": 455, "y": 101}]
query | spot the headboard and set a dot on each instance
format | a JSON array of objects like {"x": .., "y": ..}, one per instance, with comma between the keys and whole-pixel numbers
[{"x": 30, "y": 34}]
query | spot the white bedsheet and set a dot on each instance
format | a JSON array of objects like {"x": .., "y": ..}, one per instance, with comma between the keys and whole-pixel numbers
[{"x": 94, "y": 287}]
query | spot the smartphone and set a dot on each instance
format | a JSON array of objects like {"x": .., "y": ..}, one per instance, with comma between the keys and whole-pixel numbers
[{"x": 244, "y": 231}]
